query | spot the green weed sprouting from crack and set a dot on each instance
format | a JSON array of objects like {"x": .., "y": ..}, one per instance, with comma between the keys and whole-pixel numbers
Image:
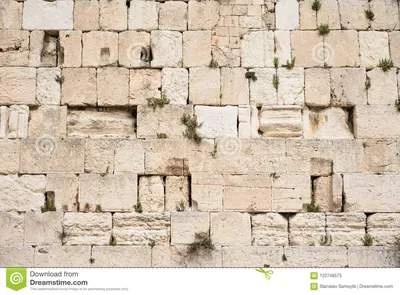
[
  {"x": 275, "y": 81},
  {"x": 367, "y": 84},
  {"x": 276, "y": 62},
  {"x": 397, "y": 104},
  {"x": 48, "y": 206},
  {"x": 367, "y": 240},
  {"x": 155, "y": 102},
  {"x": 152, "y": 243},
  {"x": 202, "y": 241},
  {"x": 215, "y": 151},
  {"x": 251, "y": 76},
  {"x": 274, "y": 175},
  {"x": 213, "y": 63},
  {"x": 162, "y": 136},
  {"x": 181, "y": 206},
  {"x": 138, "y": 207},
  {"x": 369, "y": 15},
  {"x": 98, "y": 209},
  {"x": 290, "y": 64},
  {"x": 325, "y": 240},
  {"x": 316, "y": 5},
  {"x": 63, "y": 235},
  {"x": 191, "y": 127},
  {"x": 323, "y": 29},
  {"x": 385, "y": 64}
]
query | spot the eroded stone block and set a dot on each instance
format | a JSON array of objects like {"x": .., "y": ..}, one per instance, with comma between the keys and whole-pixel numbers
[
  {"x": 306, "y": 229},
  {"x": 175, "y": 85},
  {"x": 308, "y": 48},
  {"x": 17, "y": 86},
  {"x": 14, "y": 256},
  {"x": 384, "y": 228},
  {"x": 287, "y": 14},
  {"x": 100, "y": 49},
  {"x": 9, "y": 156},
  {"x": 48, "y": 86},
  {"x": 151, "y": 193},
  {"x": 280, "y": 121},
  {"x": 230, "y": 228},
  {"x": 176, "y": 192},
  {"x": 380, "y": 155},
  {"x": 79, "y": 87},
  {"x": 112, "y": 86},
  {"x": 204, "y": 86},
  {"x": 386, "y": 15},
  {"x": 257, "y": 49},
  {"x": 99, "y": 155},
  {"x": 12, "y": 228},
  {"x": 269, "y": 229},
  {"x": 196, "y": 48},
  {"x": 346, "y": 229},
  {"x": 121, "y": 256},
  {"x": 345, "y": 48},
  {"x": 348, "y": 156},
  {"x": 14, "y": 48},
  {"x": 362, "y": 256},
  {"x": 166, "y": 49},
  {"x": 43, "y": 228},
  {"x": 348, "y": 87},
  {"x": 353, "y": 14},
  {"x": 291, "y": 86},
  {"x": 48, "y": 121},
  {"x": 317, "y": 88},
  {"x": 11, "y": 15}
]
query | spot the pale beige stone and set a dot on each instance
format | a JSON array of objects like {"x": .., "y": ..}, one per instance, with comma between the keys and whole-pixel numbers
[
  {"x": 111, "y": 192},
  {"x": 186, "y": 226},
  {"x": 14, "y": 48},
  {"x": 173, "y": 16},
  {"x": 329, "y": 14},
  {"x": 196, "y": 48},
  {"x": 269, "y": 229},
  {"x": 224, "y": 56},
  {"x": 204, "y": 86},
  {"x": 348, "y": 156},
  {"x": 99, "y": 155},
  {"x": 36, "y": 39},
  {"x": 234, "y": 86},
  {"x": 112, "y": 86},
  {"x": 48, "y": 155},
  {"x": 345, "y": 48},
  {"x": 203, "y": 15},
  {"x": 14, "y": 256},
  {"x": 280, "y": 121},
  {"x": 252, "y": 256},
  {"x": 65, "y": 189},
  {"x": 99, "y": 49},
  {"x": 14, "y": 122},
  {"x": 308, "y": 48},
  {"x": 384, "y": 228},
  {"x": 287, "y": 14},
  {"x": 291, "y": 86},
  {"x": 94, "y": 123},
  {"x": 129, "y": 156},
  {"x": 62, "y": 256},
  {"x": 308, "y": 16},
  {"x": 306, "y": 229},
  {"x": 353, "y": 14},
  {"x": 317, "y": 87},
  {"x": 166, "y": 49},
  {"x": 12, "y": 228},
  {"x": 151, "y": 193},
  {"x": 144, "y": 84},
  {"x": 348, "y": 87},
  {"x": 362, "y": 256},
  {"x": 394, "y": 42},
  {"x": 48, "y": 87},
  {"x": 87, "y": 228},
  {"x": 121, "y": 256},
  {"x": 257, "y": 49},
  {"x": 230, "y": 228},
  {"x": 9, "y": 156},
  {"x": 217, "y": 121},
  {"x": 17, "y": 86},
  {"x": 43, "y": 228},
  {"x": 79, "y": 87},
  {"x": 175, "y": 85},
  {"x": 207, "y": 191},
  {"x": 326, "y": 193},
  {"x": 262, "y": 91},
  {"x": 11, "y": 15},
  {"x": 282, "y": 47},
  {"x": 71, "y": 48},
  {"x": 142, "y": 228},
  {"x": 134, "y": 49},
  {"x": 113, "y": 15},
  {"x": 386, "y": 15},
  {"x": 176, "y": 192},
  {"x": 143, "y": 15},
  {"x": 48, "y": 120},
  {"x": 346, "y": 229},
  {"x": 371, "y": 192},
  {"x": 86, "y": 15},
  {"x": 381, "y": 155},
  {"x": 374, "y": 46},
  {"x": 312, "y": 256},
  {"x": 383, "y": 88}
]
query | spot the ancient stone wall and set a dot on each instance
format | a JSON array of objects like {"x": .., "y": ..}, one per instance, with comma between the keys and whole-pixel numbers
[{"x": 200, "y": 133}]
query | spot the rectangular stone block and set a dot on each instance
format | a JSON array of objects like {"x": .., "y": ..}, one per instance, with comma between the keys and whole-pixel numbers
[
  {"x": 328, "y": 193},
  {"x": 9, "y": 156},
  {"x": 311, "y": 256},
  {"x": 344, "y": 48},
  {"x": 306, "y": 44},
  {"x": 11, "y": 15},
  {"x": 14, "y": 121},
  {"x": 112, "y": 87},
  {"x": 280, "y": 121},
  {"x": 12, "y": 228},
  {"x": 166, "y": 49},
  {"x": 196, "y": 48},
  {"x": 257, "y": 49},
  {"x": 204, "y": 86},
  {"x": 142, "y": 228},
  {"x": 14, "y": 48},
  {"x": 306, "y": 229},
  {"x": 346, "y": 92},
  {"x": 63, "y": 256},
  {"x": 79, "y": 87},
  {"x": 134, "y": 49},
  {"x": 373, "y": 47},
  {"x": 129, "y": 156},
  {"x": 43, "y": 228},
  {"x": 99, "y": 156},
  {"x": 353, "y": 14},
  {"x": 317, "y": 87},
  {"x": 207, "y": 191},
  {"x": 348, "y": 156},
  {"x": 185, "y": 226},
  {"x": 144, "y": 84},
  {"x": 287, "y": 14},
  {"x": 217, "y": 121},
  {"x": 151, "y": 193},
  {"x": 175, "y": 85},
  {"x": 48, "y": 121},
  {"x": 65, "y": 189},
  {"x": 113, "y": 15},
  {"x": 384, "y": 228},
  {"x": 87, "y": 15},
  {"x": 262, "y": 91},
  {"x": 234, "y": 86},
  {"x": 362, "y": 256},
  {"x": 291, "y": 86},
  {"x": 88, "y": 228},
  {"x": 71, "y": 48},
  {"x": 381, "y": 155},
  {"x": 386, "y": 15},
  {"x": 269, "y": 229},
  {"x": 17, "y": 256},
  {"x": 121, "y": 256},
  {"x": 100, "y": 49},
  {"x": 252, "y": 256},
  {"x": 230, "y": 228},
  {"x": 173, "y": 16},
  {"x": 383, "y": 89},
  {"x": 176, "y": 192},
  {"x": 17, "y": 86},
  {"x": 346, "y": 229},
  {"x": 143, "y": 15},
  {"x": 48, "y": 86},
  {"x": 203, "y": 15}
]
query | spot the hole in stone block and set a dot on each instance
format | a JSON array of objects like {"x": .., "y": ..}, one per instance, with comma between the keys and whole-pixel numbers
[
  {"x": 105, "y": 54},
  {"x": 350, "y": 119},
  {"x": 50, "y": 49}
]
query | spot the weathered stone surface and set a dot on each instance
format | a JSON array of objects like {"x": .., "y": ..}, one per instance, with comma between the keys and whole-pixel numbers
[
  {"x": 134, "y": 49},
  {"x": 14, "y": 122},
  {"x": 17, "y": 86},
  {"x": 346, "y": 229},
  {"x": 129, "y": 156},
  {"x": 176, "y": 191},
  {"x": 65, "y": 188},
  {"x": 9, "y": 156},
  {"x": 11, "y": 15},
  {"x": 317, "y": 88},
  {"x": 43, "y": 228},
  {"x": 230, "y": 228},
  {"x": 373, "y": 47},
  {"x": 308, "y": 16},
  {"x": 262, "y": 91},
  {"x": 48, "y": 86},
  {"x": 329, "y": 14},
  {"x": 121, "y": 256},
  {"x": 203, "y": 15},
  {"x": 62, "y": 256},
  {"x": 48, "y": 120},
  {"x": 282, "y": 46},
  {"x": 186, "y": 225},
  {"x": 252, "y": 256},
  {"x": 166, "y": 49},
  {"x": 348, "y": 87},
  {"x": 17, "y": 195},
  {"x": 269, "y": 229},
  {"x": 291, "y": 86},
  {"x": 386, "y": 15},
  {"x": 287, "y": 14},
  {"x": 383, "y": 88},
  {"x": 345, "y": 48},
  {"x": 217, "y": 121},
  {"x": 394, "y": 41},
  {"x": 88, "y": 228},
  {"x": 175, "y": 85},
  {"x": 308, "y": 48},
  {"x": 112, "y": 192},
  {"x": 112, "y": 87},
  {"x": 86, "y": 15},
  {"x": 70, "y": 48},
  {"x": 328, "y": 193},
  {"x": 373, "y": 257},
  {"x": 151, "y": 193},
  {"x": 207, "y": 191},
  {"x": 14, "y": 48},
  {"x": 280, "y": 121},
  {"x": 47, "y": 155},
  {"x": 44, "y": 15},
  {"x": 113, "y": 15},
  {"x": 311, "y": 256},
  {"x": 144, "y": 84},
  {"x": 94, "y": 123},
  {"x": 348, "y": 156},
  {"x": 204, "y": 86},
  {"x": 371, "y": 192},
  {"x": 376, "y": 121},
  {"x": 257, "y": 49},
  {"x": 143, "y": 15},
  {"x": 234, "y": 86},
  {"x": 141, "y": 228},
  {"x": 99, "y": 155},
  {"x": 384, "y": 228},
  {"x": 306, "y": 229},
  {"x": 173, "y": 16},
  {"x": 99, "y": 49},
  {"x": 79, "y": 87},
  {"x": 14, "y": 256},
  {"x": 12, "y": 228},
  {"x": 381, "y": 155},
  {"x": 353, "y": 14},
  {"x": 196, "y": 48}
]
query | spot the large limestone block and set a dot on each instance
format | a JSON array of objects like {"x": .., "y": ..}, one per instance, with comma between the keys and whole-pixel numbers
[
  {"x": 100, "y": 49},
  {"x": 308, "y": 16},
  {"x": 346, "y": 229},
  {"x": 14, "y": 256},
  {"x": 374, "y": 46},
  {"x": 134, "y": 49},
  {"x": 383, "y": 88},
  {"x": 384, "y": 228},
  {"x": 173, "y": 16},
  {"x": 381, "y": 155},
  {"x": 43, "y": 228},
  {"x": 129, "y": 156},
  {"x": 203, "y": 15},
  {"x": 348, "y": 156},
  {"x": 345, "y": 48},
  {"x": 14, "y": 48},
  {"x": 362, "y": 256},
  {"x": 143, "y": 15},
  {"x": 17, "y": 86},
  {"x": 175, "y": 85},
  {"x": 252, "y": 256},
  {"x": 65, "y": 189},
  {"x": 262, "y": 91},
  {"x": 63, "y": 256},
  {"x": 11, "y": 15},
  {"x": 112, "y": 87},
  {"x": 87, "y": 15},
  {"x": 144, "y": 84},
  {"x": 151, "y": 193},
  {"x": 353, "y": 14},
  {"x": 176, "y": 192},
  {"x": 257, "y": 49},
  {"x": 327, "y": 123},
  {"x": 282, "y": 46},
  {"x": 348, "y": 87},
  {"x": 217, "y": 121},
  {"x": 309, "y": 49},
  {"x": 269, "y": 229},
  {"x": 99, "y": 155},
  {"x": 44, "y": 49},
  {"x": 48, "y": 88},
  {"x": 234, "y": 86},
  {"x": 316, "y": 256},
  {"x": 94, "y": 123},
  {"x": 328, "y": 193},
  {"x": 71, "y": 48},
  {"x": 141, "y": 228},
  {"x": 165, "y": 120},
  {"x": 113, "y": 15},
  {"x": 88, "y": 228},
  {"x": 230, "y": 228},
  {"x": 376, "y": 121},
  {"x": 18, "y": 196},
  {"x": 112, "y": 192},
  {"x": 12, "y": 228},
  {"x": 79, "y": 87},
  {"x": 371, "y": 192},
  {"x": 317, "y": 87},
  {"x": 45, "y": 15},
  {"x": 121, "y": 256},
  {"x": 291, "y": 86},
  {"x": 196, "y": 48},
  {"x": 185, "y": 226},
  {"x": 207, "y": 191},
  {"x": 386, "y": 15},
  {"x": 306, "y": 229},
  {"x": 394, "y": 41},
  {"x": 9, "y": 156},
  {"x": 287, "y": 14},
  {"x": 48, "y": 121},
  {"x": 166, "y": 49},
  {"x": 280, "y": 121},
  {"x": 248, "y": 193},
  {"x": 204, "y": 86},
  {"x": 328, "y": 14},
  {"x": 47, "y": 155}
]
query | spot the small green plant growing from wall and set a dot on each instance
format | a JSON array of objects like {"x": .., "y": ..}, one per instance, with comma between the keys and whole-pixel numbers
[
  {"x": 367, "y": 240},
  {"x": 274, "y": 175},
  {"x": 98, "y": 209},
  {"x": 385, "y": 64},
  {"x": 213, "y": 63},
  {"x": 202, "y": 241},
  {"x": 369, "y": 15},
  {"x": 276, "y": 62},
  {"x": 155, "y": 102},
  {"x": 181, "y": 206},
  {"x": 313, "y": 207},
  {"x": 63, "y": 235},
  {"x": 251, "y": 76},
  {"x": 152, "y": 243},
  {"x": 138, "y": 207},
  {"x": 191, "y": 127},
  {"x": 316, "y": 5},
  {"x": 215, "y": 151},
  {"x": 325, "y": 240},
  {"x": 275, "y": 81},
  {"x": 323, "y": 29},
  {"x": 290, "y": 64},
  {"x": 367, "y": 83},
  {"x": 86, "y": 209},
  {"x": 162, "y": 135},
  {"x": 112, "y": 242},
  {"x": 48, "y": 206}
]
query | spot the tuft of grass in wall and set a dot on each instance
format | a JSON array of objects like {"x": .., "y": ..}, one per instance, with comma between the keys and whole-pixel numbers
[
  {"x": 213, "y": 63},
  {"x": 152, "y": 243},
  {"x": 48, "y": 206},
  {"x": 162, "y": 135},
  {"x": 202, "y": 241},
  {"x": 251, "y": 76},
  {"x": 316, "y": 5},
  {"x": 60, "y": 79},
  {"x": 155, "y": 102},
  {"x": 181, "y": 206},
  {"x": 215, "y": 151},
  {"x": 274, "y": 175},
  {"x": 91, "y": 260},
  {"x": 138, "y": 207},
  {"x": 284, "y": 257},
  {"x": 313, "y": 207},
  {"x": 98, "y": 209},
  {"x": 63, "y": 235},
  {"x": 367, "y": 240},
  {"x": 276, "y": 62},
  {"x": 275, "y": 81},
  {"x": 323, "y": 29},
  {"x": 397, "y": 104},
  {"x": 367, "y": 83},
  {"x": 290, "y": 64},
  {"x": 369, "y": 15},
  {"x": 112, "y": 242},
  {"x": 325, "y": 240},
  {"x": 385, "y": 64},
  {"x": 191, "y": 127}
]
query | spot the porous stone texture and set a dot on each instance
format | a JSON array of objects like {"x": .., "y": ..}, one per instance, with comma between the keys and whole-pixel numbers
[
  {"x": 121, "y": 256},
  {"x": 99, "y": 49},
  {"x": 231, "y": 228},
  {"x": 43, "y": 229},
  {"x": 373, "y": 256},
  {"x": 166, "y": 49},
  {"x": 280, "y": 121},
  {"x": 217, "y": 121},
  {"x": 346, "y": 229},
  {"x": 384, "y": 228},
  {"x": 79, "y": 87},
  {"x": 269, "y": 230},
  {"x": 17, "y": 86},
  {"x": 13, "y": 228},
  {"x": 186, "y": 225},
  {"x": 65, "y": 188},
  {"x": 151, "y": 193},
  {"x": 66, "y": 256},
  {"x": 306, "y": 229}
]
